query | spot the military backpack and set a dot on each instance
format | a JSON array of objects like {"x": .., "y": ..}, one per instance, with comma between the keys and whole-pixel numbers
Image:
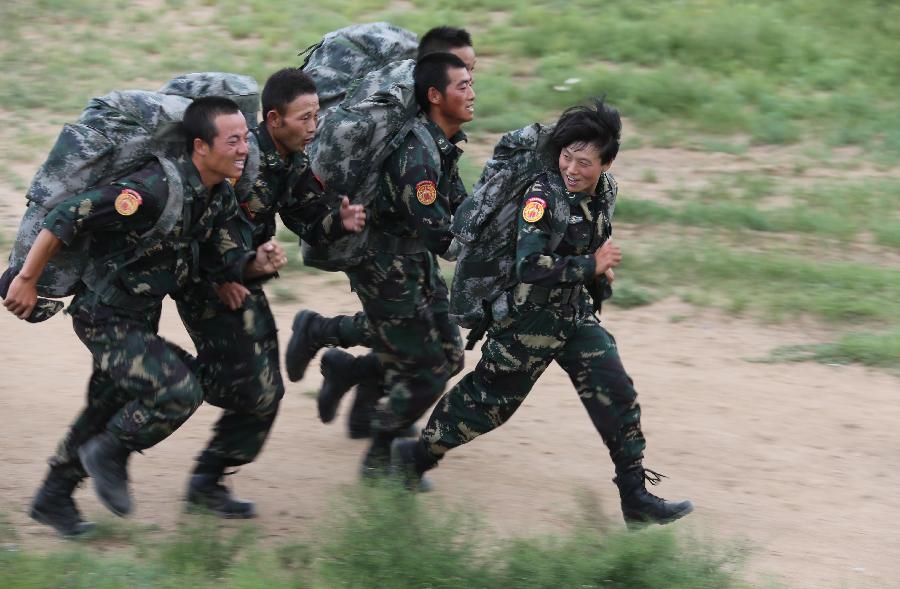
[
  {"x": 351, "y": 145},
  {"x": 115, "y": 135},
  {"x": 344, "y": 56}
]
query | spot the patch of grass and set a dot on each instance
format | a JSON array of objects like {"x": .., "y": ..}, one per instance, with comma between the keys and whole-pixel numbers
[
  {"x": 628, "y": 295},
  {"x": 773, "y": 284},
  {"x": 381, "y": 536},
  {"x": 870, "y": 349},
  {"x": 649, "y": 176},
  {"x": 285, "y": 294}
]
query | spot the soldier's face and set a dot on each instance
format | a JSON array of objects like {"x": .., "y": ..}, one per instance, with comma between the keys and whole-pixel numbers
[
  {"x": 295, "y": 128},
  {"x": 457, "y": 103},
  {"x": 227, "y": 155},
  {"x": 467, "y": 55},
  {"x": 580, "y": 167}
]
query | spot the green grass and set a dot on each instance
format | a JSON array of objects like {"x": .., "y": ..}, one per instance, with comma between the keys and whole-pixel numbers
[
  {"x": 382, "y": 537},
  {"x": 779, "y": 286},
  {"x": 840, "y": 210},
  {"x": 777, "y": 72},
  {"x": 880, "y": 350}
]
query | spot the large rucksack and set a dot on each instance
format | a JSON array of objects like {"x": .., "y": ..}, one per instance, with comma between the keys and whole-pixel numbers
[
  {"x": 485, "y": 225},
  {"x": 351, "y": 145},
  {"x": 346, "y": 55},
  {"x": 115, "y": 135}
]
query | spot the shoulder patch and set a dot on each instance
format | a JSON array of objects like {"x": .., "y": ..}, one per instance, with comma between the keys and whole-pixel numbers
[
  {"x": 128, "y": 201},
  {"x": 534, "y": 209},
  {"x": 426, "y": 192}
]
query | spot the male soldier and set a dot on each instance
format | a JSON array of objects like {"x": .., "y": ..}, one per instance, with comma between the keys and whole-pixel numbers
[
  {"x": 234, "y": 332},
  {"x": 142, "y": 387},
  {"x": 340, "y": 370},
  {"x": 403, "y": 294},
  {"x": 562, "y": 244}
]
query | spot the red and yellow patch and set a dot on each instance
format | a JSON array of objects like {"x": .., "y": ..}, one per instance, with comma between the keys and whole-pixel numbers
[
  {"x": 426, "y": 192},
  {"x": 127, "y": 202},
  {"x": 534, "y": 209}
]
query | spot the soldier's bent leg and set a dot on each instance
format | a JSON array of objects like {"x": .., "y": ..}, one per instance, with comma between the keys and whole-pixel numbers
[
  {"x": 592, "y": 361},
  {"x": 160, "y": 392},
  {"x": 311, "y": 332}
]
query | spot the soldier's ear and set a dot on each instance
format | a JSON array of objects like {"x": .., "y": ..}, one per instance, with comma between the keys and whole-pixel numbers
[
  {"x": 273, "y": 118},
  {"x": 201, "y": 147},
  {"x": 434, "y": 95}
]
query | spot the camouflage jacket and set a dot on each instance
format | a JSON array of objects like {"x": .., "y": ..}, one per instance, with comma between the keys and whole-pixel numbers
[
  {"x": 289, "y": 188},
  {"x": 587, "y": 226},
  {"x": 208, "y": 239},
  {"x": 417, "y": 195}
]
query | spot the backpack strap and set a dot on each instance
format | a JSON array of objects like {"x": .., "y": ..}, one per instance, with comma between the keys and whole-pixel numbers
[{"x": 173, "y": 210}]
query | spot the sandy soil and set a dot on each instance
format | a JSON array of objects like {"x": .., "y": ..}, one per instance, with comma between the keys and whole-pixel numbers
[{"x": 799, "y": 460}]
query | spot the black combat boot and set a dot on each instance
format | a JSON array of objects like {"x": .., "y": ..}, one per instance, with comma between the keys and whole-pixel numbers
[
  {"x": 409, "y": 462},
  {"x": 340, "y": 373},
  {"x": 311, "y": 333},
  {"x": 105, "y": 459},
  {"x": 640, "y": 507},
  {"x": 206, "y": 491},
  {"x": 53, "y": 506}
]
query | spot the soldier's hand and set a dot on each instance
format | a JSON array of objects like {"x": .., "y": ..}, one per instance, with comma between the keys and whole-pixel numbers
[
  {"x": 610, "y": 276},
  {"x": 270, "y": 258},
  {"x": 353, "y": 217},
  {"x": 232, "y": 294},
  {"x": 607, "y": 257},
  {"x": 22, "y": 297}
]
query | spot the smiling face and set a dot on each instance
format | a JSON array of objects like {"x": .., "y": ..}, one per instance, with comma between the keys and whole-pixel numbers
[
  {"x": 227, "y": 155},
  {"x": 580, "y": 167},
  {"x": 296, "y": 127},
  {"x": 457, "y": 104}
]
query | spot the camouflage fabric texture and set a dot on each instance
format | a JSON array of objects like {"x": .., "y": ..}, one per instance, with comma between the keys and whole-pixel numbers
[
  {"x": 114, "y": 135},
  {"x": 419, "y": 349},
  {"x": 352, "y": 144},
  {"x": 345, "y": 55},
  {"x": 130, "y": 272},
  {"x": 238, "y": 349},
  {"x": 238, "y": 369},
  {"x": 403, "y": 294},
  {"x": 288, "y": 188},
  {"x": 553, "y": 259},
  {"x": 142, "y": 387},
  {"x": 485, "y": 226}
]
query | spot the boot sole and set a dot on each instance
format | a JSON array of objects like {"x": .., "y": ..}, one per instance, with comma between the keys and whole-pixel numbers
[
  {"x": 294, "y": 373},
  {"x": 200, "y": 509},
  {"x": 638, "y": 524},
  {"x": 41, "y": 518}
]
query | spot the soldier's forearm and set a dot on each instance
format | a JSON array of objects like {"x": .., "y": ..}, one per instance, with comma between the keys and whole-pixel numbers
[{"x": 42, "y": 251}]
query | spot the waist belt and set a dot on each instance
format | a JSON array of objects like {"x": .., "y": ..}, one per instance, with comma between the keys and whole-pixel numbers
[
  {"x": 541, "y": 295},
  {"x": 383, "y": 242}
]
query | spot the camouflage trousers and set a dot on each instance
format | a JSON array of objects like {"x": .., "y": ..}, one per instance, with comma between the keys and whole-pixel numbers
[
  {"x": 516, "y": 353},
  {"x": 141, "y": 390},
  {"x": 239, "y": 370},
  {"x": 406, "y": 323}
]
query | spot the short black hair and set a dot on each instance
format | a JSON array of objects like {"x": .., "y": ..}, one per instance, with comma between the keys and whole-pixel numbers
[
  {"x": 442, "y": 39},
  {"x": 283, "y": 87},
  {"x": 200, "y": 115},
  {"x": 599, "y": 125},
  {"x": 431, "y": 72}
]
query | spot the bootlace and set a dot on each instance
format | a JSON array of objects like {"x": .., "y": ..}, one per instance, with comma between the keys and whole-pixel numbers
[{"x": 653, "y": 477}]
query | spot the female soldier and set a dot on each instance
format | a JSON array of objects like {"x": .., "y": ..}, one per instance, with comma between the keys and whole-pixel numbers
[{"x": 557, "y": 257}]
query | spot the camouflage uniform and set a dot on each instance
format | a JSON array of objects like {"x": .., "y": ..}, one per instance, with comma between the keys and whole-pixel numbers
[
  {"x": 142, "y": 387},
  {"x": 550, "y": 319},
  {"x": 238, "y": 349},
  {"x": 404, "y": 296}
]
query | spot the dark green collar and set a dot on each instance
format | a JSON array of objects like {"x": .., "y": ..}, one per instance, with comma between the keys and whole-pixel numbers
[
  {"x": 269, "y": 156},
  {"x": 446, "y": 146}
]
